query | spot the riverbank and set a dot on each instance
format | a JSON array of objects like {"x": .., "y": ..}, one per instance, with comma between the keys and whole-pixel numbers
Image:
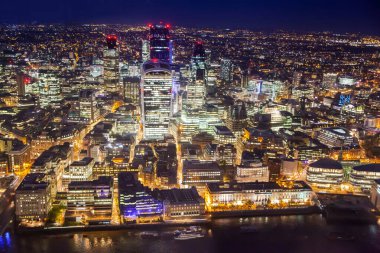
[
  {"x": 267, "y": 212},
  {"x": 135, "y": 226},
  {"x": 171, "y": 223}
]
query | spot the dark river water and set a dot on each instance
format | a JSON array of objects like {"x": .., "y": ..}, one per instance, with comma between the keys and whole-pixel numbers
[{"x": 272, "y": 234}]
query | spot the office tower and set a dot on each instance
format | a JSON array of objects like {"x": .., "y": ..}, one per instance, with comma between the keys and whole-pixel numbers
[
  {"x": 33, "y": 198},
  {"x": 226, "y": 69},
  {"x": 22, "y": 81},
  {"x": 159, "y": 41},
  {"x": 156, "y": 93},
  {"x": 111, "y": 64},
  {"x": 49, "y": 89},
  {"x": 90, "y": 200},
  {"x": 208, "y": 56},
  {"x": 329, "y": 80},
  {"x": 145, "y": 54},
  {"x": 136, "y": 201},
  {"x": 237, "y": 117},
  {"x": 196, "y": 87},
  {"x": 88, "y": 106},
  {"x": 131, "y": 89},
  {"x": 297, "y": 77}
]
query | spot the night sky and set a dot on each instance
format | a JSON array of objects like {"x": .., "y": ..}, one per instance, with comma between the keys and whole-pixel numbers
[{"x": 265, "y": 15}]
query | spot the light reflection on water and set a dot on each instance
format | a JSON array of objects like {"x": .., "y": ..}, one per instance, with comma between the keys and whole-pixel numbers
[{"x": 274, "y": 234}]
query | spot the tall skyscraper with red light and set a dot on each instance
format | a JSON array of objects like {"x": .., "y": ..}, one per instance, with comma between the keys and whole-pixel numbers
[
  {"x": 111, "y": 64},
  {"x": 111, "y": 41},
  {"x": 160, "y": 44}
]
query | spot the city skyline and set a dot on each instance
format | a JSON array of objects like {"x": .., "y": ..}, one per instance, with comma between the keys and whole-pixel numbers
[
  {"x": 126, "y": 126},
  {"x": 306, "y": 16}
]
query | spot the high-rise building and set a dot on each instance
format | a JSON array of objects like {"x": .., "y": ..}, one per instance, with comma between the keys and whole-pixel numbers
[
  {"x": 156, "y": 93},
  {"x": 226, "y": 69},
  {"x": 111, "y": 64},
  {"x": 49, "y": 89},
  {"x": 297, "y": 77},
  {"x": 145, "y": 54},
  {"x": 196, "y": 87},
  {"x": 131, "y": 89},
  {"x": 88, "y": 106},
  {"x": 237, "y": 117},
  {"x": 159, "y": 41}
]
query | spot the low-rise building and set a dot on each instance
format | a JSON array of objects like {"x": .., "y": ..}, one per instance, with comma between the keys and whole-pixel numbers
[
  {"x": 182, "y": 203},
  {"x": 90, "y": 201},
  {"x": 136, "y": 202},
  {"x": 199, "y": 173},
  {"x": 252, "y": 172},
  {"x": 362, "y": 176},
  {"x": 325, "y": 173},
  {"x": 32, "y": 198},
  {"x": 231, "y": 195},
  {"x": 335, "y": 137}
]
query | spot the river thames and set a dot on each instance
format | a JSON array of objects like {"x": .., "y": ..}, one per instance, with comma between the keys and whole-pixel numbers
[{"x": 298, "y": 233}]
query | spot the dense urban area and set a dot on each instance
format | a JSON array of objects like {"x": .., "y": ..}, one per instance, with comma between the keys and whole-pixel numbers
[{"x": 113, "y": 125}]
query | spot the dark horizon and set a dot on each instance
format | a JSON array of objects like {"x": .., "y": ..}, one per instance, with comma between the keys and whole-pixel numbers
[{"x": 307, "y": 16}]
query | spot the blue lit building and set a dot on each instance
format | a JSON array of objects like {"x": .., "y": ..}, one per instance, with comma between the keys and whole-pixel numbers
[{"x": 136, "y": 201}]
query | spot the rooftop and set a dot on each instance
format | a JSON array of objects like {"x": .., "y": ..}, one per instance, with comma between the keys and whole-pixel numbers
[
  {"x": 327, "y": 163},
  {"x": 373, "y": 167}
]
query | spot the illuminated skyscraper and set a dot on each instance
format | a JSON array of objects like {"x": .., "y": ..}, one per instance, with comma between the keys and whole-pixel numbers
[
  {"x": 49, "y": 88},
  {"x": 145, "y": 54},
  {"x": 159, "y": 41},
  {"x": 226, "y": 70},
  {"x": 156, "y": 92},
  {"x": 111, "y": 64},
  {"x": 196, "y": 87},
  {"x": 297, "y": 77}
]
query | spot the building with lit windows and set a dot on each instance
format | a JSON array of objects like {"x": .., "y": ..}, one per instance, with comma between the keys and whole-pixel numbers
[
  {"x": 302, "y": 91},
  {"x": 49, "y": 87},
  {"x": 253, "y": 171},
  {"x": 196, "y": 88},
  {"x": 90, "y": 201},
  {"x": 160, "y": 43},
  {"x": 182, "y": 203},
  {"x": 335, "y": 137},
  {"x": 192, "y": 122},
  {"x": 237, "y": 117},
  {"x": 136, "y": 202},
  {"x": 325, "y": 173},
  {"x": 226, "y": 69},
  {"x": 111, "y": 64},
  {"x": 79, "y": 170},
  {"x": 145, "y": 50},
  {"x": 329, "y": 80},
  {"x": 220, "y": 195},
  {"x": 199, "y": 173},
  {"x": 33, "y": 198},
  {"x": 362, "y": 176},
  {"x": 156, "y": 93},
  {"x": 88, "y": 109},
  {"x": 223, "y": 135},
  {"x": 19, "y": 158},
  {"x": 131, "y": 89}
]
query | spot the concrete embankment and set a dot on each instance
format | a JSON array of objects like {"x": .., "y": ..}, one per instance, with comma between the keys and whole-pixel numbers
[{"x": 267, "y": 212}]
